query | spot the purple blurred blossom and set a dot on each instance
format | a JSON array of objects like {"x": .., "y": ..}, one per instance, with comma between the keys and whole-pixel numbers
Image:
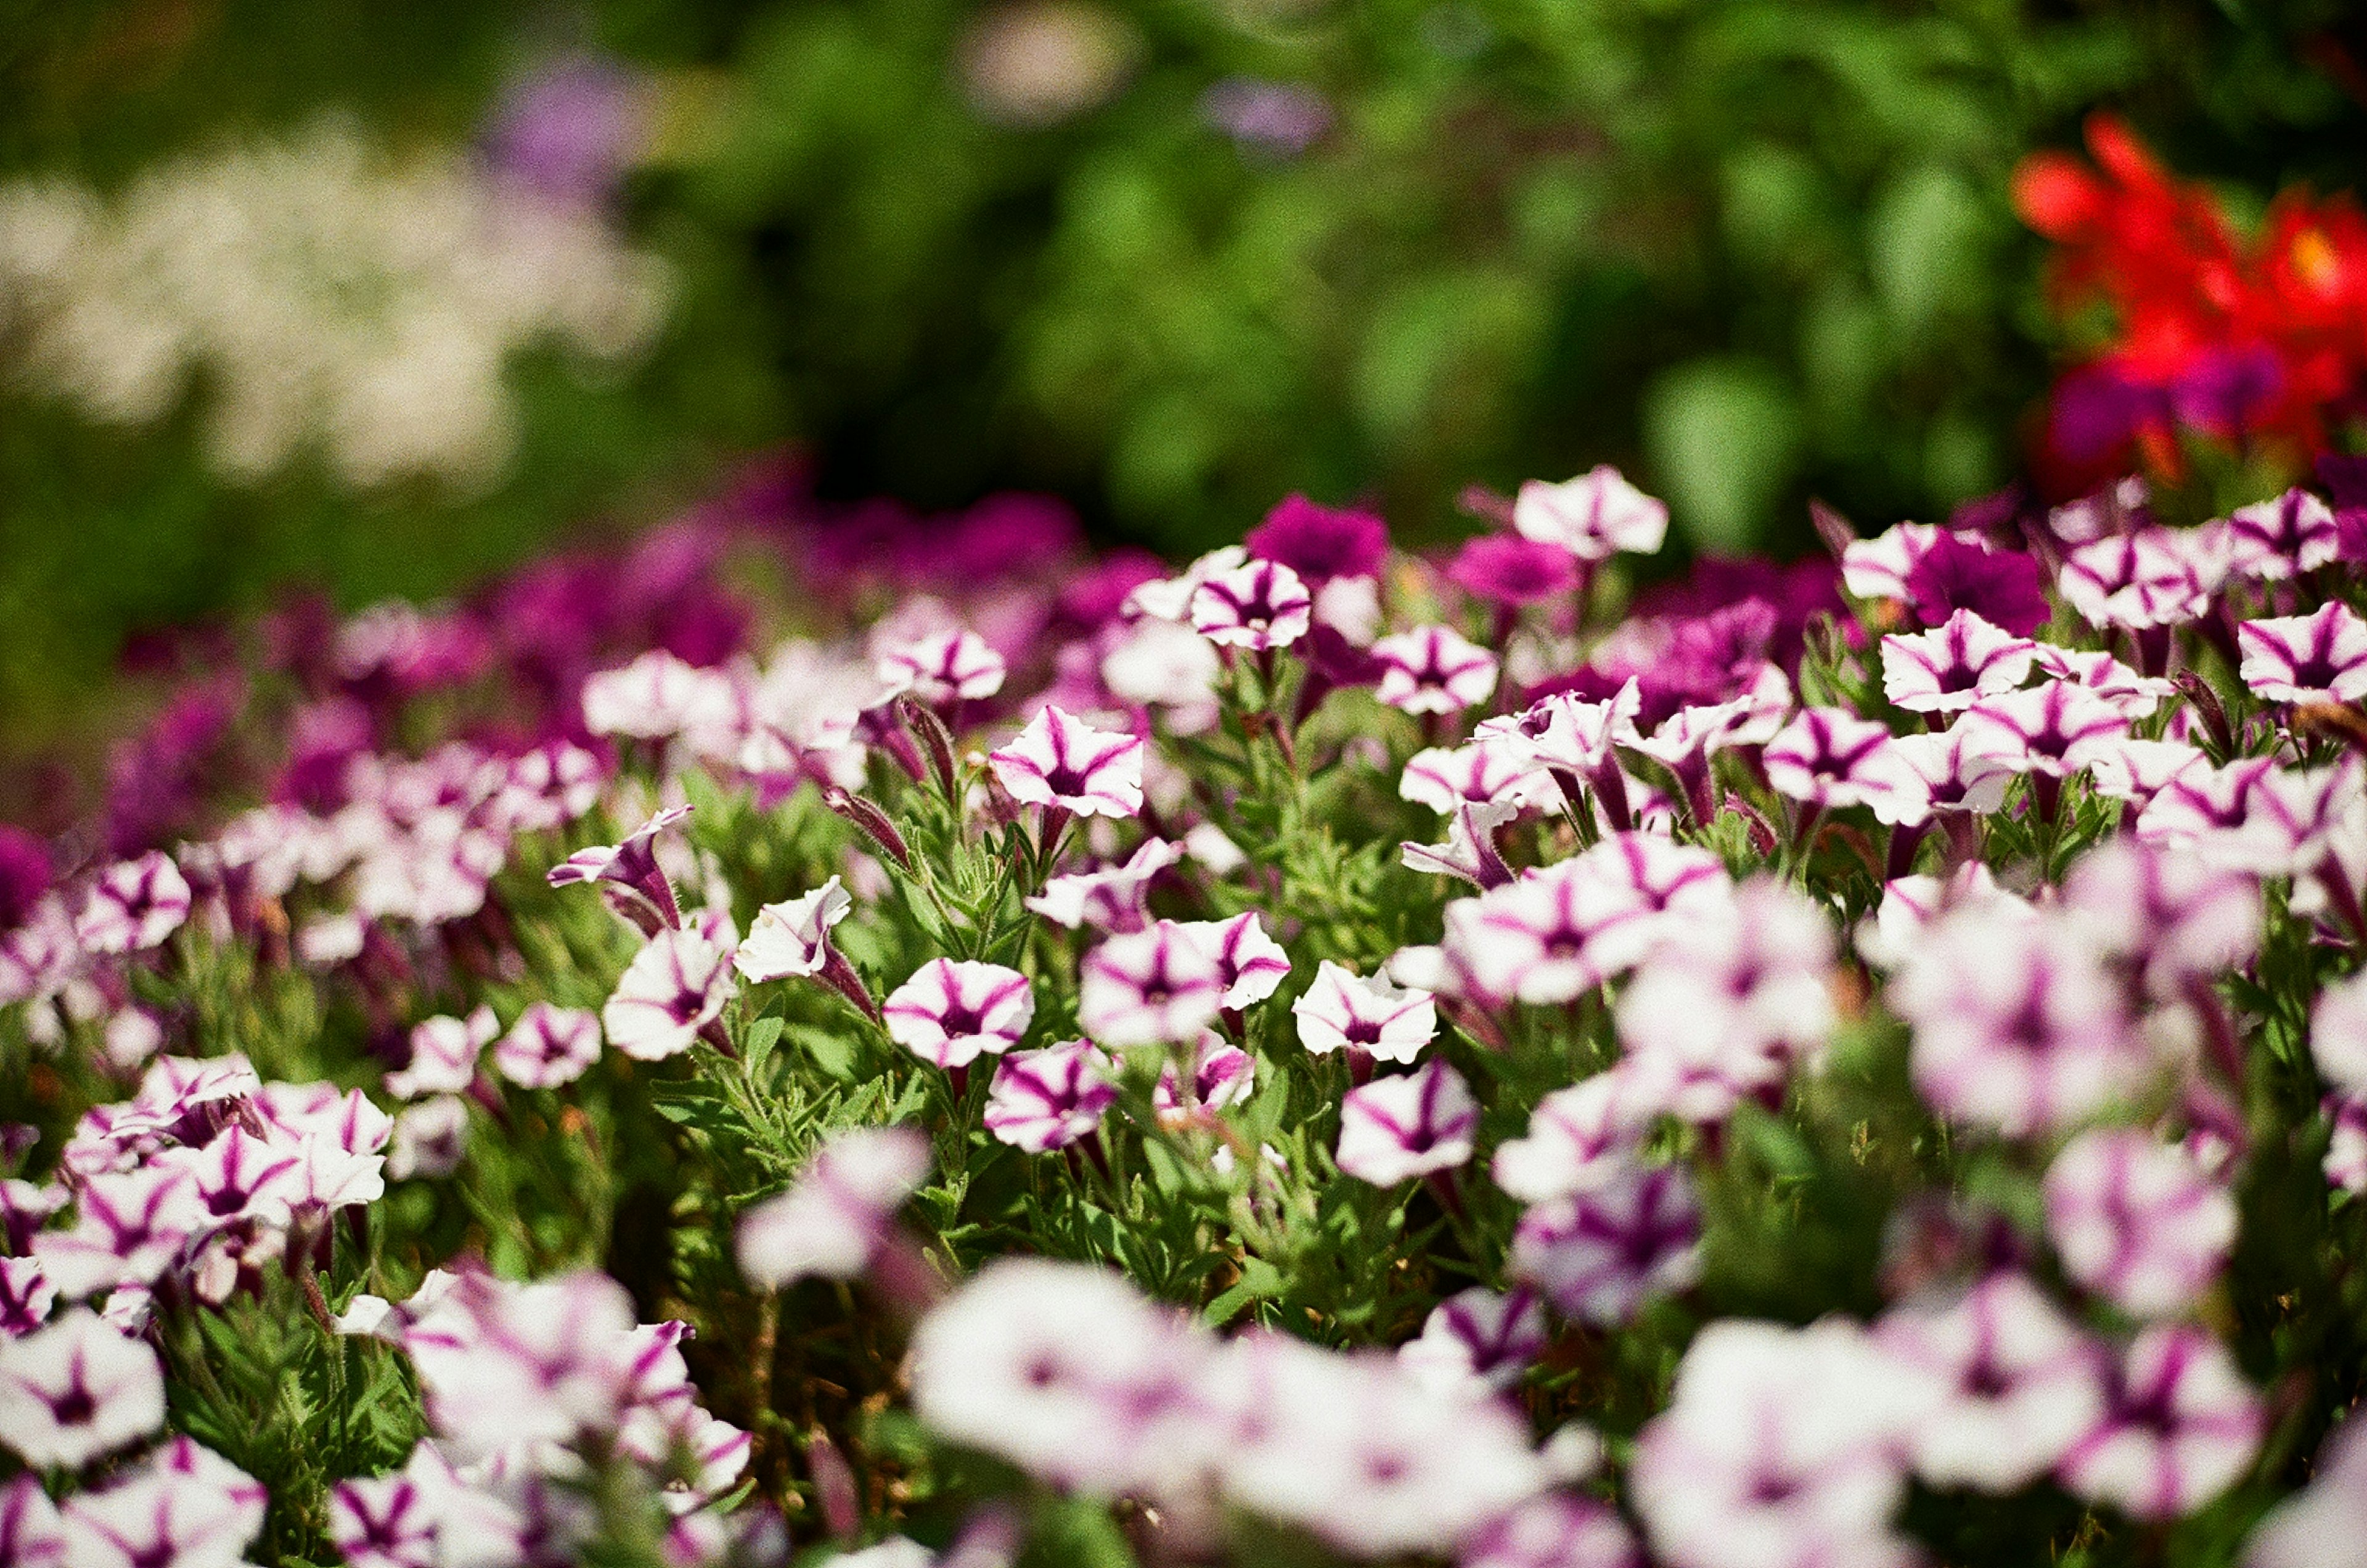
[{"x": 1279, "y": 119}]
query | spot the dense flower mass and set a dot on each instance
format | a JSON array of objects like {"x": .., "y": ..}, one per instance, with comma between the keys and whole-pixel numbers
[{"x": 1330, "y": 1055}]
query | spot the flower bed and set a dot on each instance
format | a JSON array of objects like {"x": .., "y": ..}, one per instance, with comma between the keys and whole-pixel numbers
[{"x": 1329, "y": 1055}]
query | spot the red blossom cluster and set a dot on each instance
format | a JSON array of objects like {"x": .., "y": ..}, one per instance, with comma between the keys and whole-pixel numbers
[{"x": 2255, "y": 342}]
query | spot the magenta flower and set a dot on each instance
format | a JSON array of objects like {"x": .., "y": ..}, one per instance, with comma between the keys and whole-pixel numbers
[
  {"x": 2272, "y": 540},
  {"x": 26, "y": 1296},
  {"x": 2181, "y": 1426},
  {"x": 443, "y": 1054},
  {"x": 944, "y": 667},
  {"x": 2140, "y": 581},
  {"x": 2017, "y": 1383},
  {"x": 1831, "y": 757},
  {"x": 1599, "y": 1254},
  {"x": 1110, "y": 898},
  {"x": 549, "y": 1047},
  {"x": 675, "y": 987},
  {"x": 1433, "y": 669},
  {"x": 1222, "y": 1075},
  {"x": 1249, "y": 964},
  {"x": 1878, "y": 568},
  {"x": 630, "y": 867},
  {"x": 2320, "y": 658},
  {"x": 1060, "y": 760},
  {"x": 1255, "y": 607},
  {"x": 1578, "y": 1139},
  {"x": 1321, "y": 543},
  {"x": 134, "y": 906},
  {"x": 1593, "y": 516},
  {"x": 1478, "y": 1337},
  {"x": 1394, "y": 1128},
  {"x": 1149, "y": 988},
  {"x": 1051, "y": 1099},
  {"x": 1510, "y": 571},
  {"x": 2053, "y": 730},
  {"x": 76, "y": 1388},
  {"x": 2019, "y": 1023},
  {"x": 951, "y": 1011},
  {"x": 833, "y": 1220},
  {"x": 1961, "y": 574},
  {"x": 1952, "y": 666},
  {"x": 2135, "y": 1220},
  {"x": 792, "y": 939},
  {"x": 1343, "y": 1012}
]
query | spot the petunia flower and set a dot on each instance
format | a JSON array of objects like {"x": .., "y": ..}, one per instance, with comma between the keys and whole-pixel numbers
[
  {"x": 943, "y": 667},
  {"x": 1051, "y": 1099},
  {"x": 1343, "y": 1012},
  {"x": 792, "y": 939},
  {"x": 2324, "y": 1525},
  {"x": 1578, "y": 1139},
  {"x": 2152, "y": 577},
  {"x": 31, "y": 1534},
  {"x": 1469, "y": 852},
  {"x": 76, "y": 1388},
  {"x": 26, "y": 1296},
  {"x": 129, "y": 1227},
  {"x": 834, "y": 1218},
  {"x": 2256, "y": 817},
  {"x": 1878, "y": 568},
  {"x": 1593, "y": 516},
  {"x": 659, "y": 696},
  {"x": 134, "y": 906},
  {"x": 2319, "y": 658},
  {"x": 1169, "y": 598},
  {"x": 2131, "y": 695},
  {"x": 1478, "y": 1337},
  {"x": 1510, "y": 571},
  {"x": 2181, "y": 1426},
  {"x": 2053, "y": 730},
  {"x": 549, "y": 1047},
  {"x": 443, "y": 1054},
  {"x": 1482, "y": 772},
  {"x": 1149, "y": 988},
  {"x": 1254, "y": 607},
  {"x": 185, "y": 1505},
  {"x": 1831, "y": 757},
  {"x": 2135, "y": 1221},
  {"x": 1962, "y": 573},
  {"x": 632, "y": 866},
  {"x": 1394, "y": 1128},
  {"x": 1950, "y": 667},
  {"x": 1433, "y": 669},
  {"x": 1222, "y": 1075},
  {"x": 2174, "y": 918},
  {"x": 2272, "y": 540},
  {"x": 2337, "y": 1034},
  {"x": 951, "y": 1011},
  {"x": 1559, "y": 931},
  {"x": 1601, "y": 1253},
  {"x": 1060, "y": 760},
  {"x": 1567, "y": 735},
  {"x": 2017, "y": 1383},
  {"x": 1559, "y": 1529},
  {"x": 2346, "y": 1147},
  {"x": 1321, "y": 543},
  {"x": 430, "y": 1139},
  {"x": 1249, "y": 964},
  {"x": 1157, "y": 663},
  {"x": 391, "y": 1521},
  {"x": 1110, "y": 898},
  {"x": 675, "y": 987}
]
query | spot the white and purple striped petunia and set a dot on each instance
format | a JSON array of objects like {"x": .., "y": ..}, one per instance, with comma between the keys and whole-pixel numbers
[
  {"x": 1052, "y": 1098},
  {"x": 1593, "y": 516},
  {"x": 2136, "y": 1220},
  {"x": 1601, "y": 1253},
  {"x": 1149, "y": 988},
  {"x": 549, "y": 1047},
  {"x": 1258, "y": 605},
  {"x": 2319, "y": 658},
  {"x": 1394, "y": 1128},
  {"x": 1343, "y": 1012},
  {"x": 675, "y": 987},
  {"x": 953, "y": 1010},
  {"x": 1433, "y": 669},
  {"x": 835, "y": 1216},
  {"x": 2180, "y": 1425},
  {"x": 1953, "y": 664},
  {"x": 943, "y": 667},
  {"x": 1060, "y": 760},
  {"x": 134, "y": 906}
]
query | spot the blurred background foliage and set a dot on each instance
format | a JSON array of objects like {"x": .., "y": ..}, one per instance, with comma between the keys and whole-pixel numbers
[{"x": 1169, "y": 259}]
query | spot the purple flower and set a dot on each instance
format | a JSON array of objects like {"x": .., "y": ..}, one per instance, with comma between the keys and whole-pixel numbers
[
  {"x": 952, "y": 1010},
  {"x": 430, "y": 1139},
  {"x": 2052, "y": 730},
  {"x": 1066, "y": 1372},
  {"x": 1578, "y": 1139},
  {"x": 1222, "y": 1075},
  {"x": 944, "y": 667},
  {"x": 1949, "y": 667},
  {"x": 2320, "y": 658},
  {"x": 1321, "y": 543},
  {"x": 389, "y": 1521},
  {"x": 129, "y": 1227},
  {"x": 1394, "y": 1128},
  {"x": 1593, "y": 516},
  {"x": 2181, "y": 1426},
  {"x": 833, "y": 1220},
  {"x": 2254, "y": 816},
  {"x": 1482, "y": 772},
  {"x": 1561, "y": 930},
  {"x": 1433, "y": 669},
  {"x": 443, "y": 1054},
  {"x": 1249, "y": 964},
  {"x": 32, "y": 1535},
  {"x": 2019, "y": 1024},
  {"x": 185, "y": 1505},
  {"x": 1599, "y": 1254},
  {"x": 1479, "y": 1336},
  {"x": 1060, "y": 760},
  {"x": 2135, "y": 1221},
  {"x": 1343, "y": 1012},
  {"x": 2016, "y": 1383},
  {"x": 25, "y": 875},
  {"x": 675, "y": 987},
  {"x": 1110, "y": 898},
  {"x": 1779, "y": 1449},
  {"x": 1831, "y": 757},
  {"x": 1051, "y": 1099},
  {"x": 26, "y": 1296},
  {"x": 2272, "y": 540},
  {"x": 2140, "y": 581},
  {"x": 1258, "y": 607},
  {"x": 568, "y": 131},
  {"x": 1509, "y": 570},
  {"x": 792, "y": 938},
  {"x": 1960, "y": 575},
  {"x": 632, "y": 866},
  {"x": 1278, "y": 118},
  {"x": 549, "y": 1047},
  {"x": 1149, "y": 988},
  {"x": 2173, "y": 918},
  {"x": 134, "y": 906},
  {"x": 1557, "y": 1530},
  {"x": 76, "y": 1388},
  {"x": 1878, "y": 568},
  {"x": 504, "y": 1364}
]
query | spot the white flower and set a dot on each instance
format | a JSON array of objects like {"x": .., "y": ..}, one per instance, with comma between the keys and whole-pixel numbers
[
  {"x": 1343, "y": 1012},
  {"x": 675, "y": 985},
  {"x": 76, "y": 1388}
]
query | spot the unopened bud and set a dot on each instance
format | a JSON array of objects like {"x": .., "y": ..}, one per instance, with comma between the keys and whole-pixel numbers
[{"x": 866, "y": 814}]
